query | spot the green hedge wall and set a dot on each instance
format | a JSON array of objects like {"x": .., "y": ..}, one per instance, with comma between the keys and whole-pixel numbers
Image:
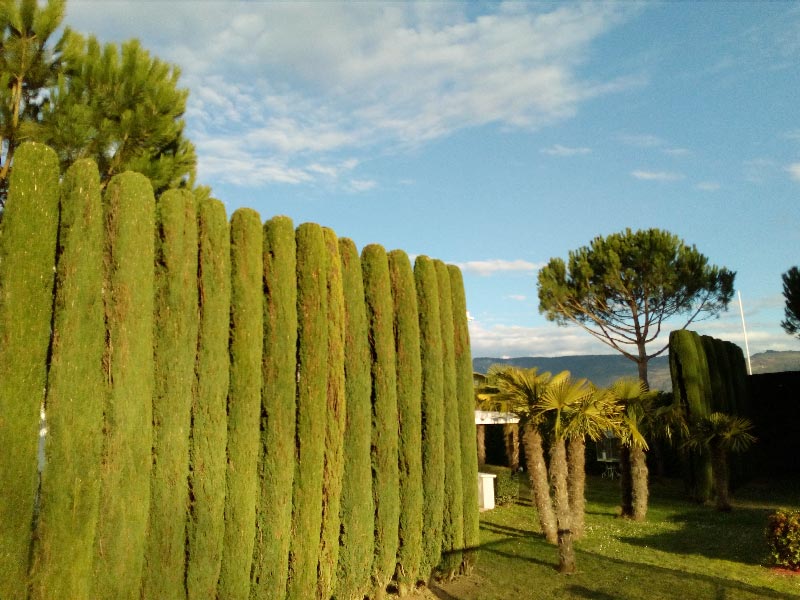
[
  {"x": 27, "y": 260},
  {"x": 209, "y": 434}
]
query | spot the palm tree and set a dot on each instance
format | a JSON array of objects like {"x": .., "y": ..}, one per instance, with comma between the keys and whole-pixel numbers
[
  {"x": 636, "y": 403},
  {"x": 519, "y": 390},
  {"x": 719, "y": 434}
]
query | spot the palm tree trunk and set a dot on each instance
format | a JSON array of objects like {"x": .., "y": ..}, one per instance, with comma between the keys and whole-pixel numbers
[
  {"x": 639, "y": 481},
  {"x": 511, "y": 437},
  {"x": 537, "y": 472},
  {"x": 719, "y": 467},
  {"x": 481, "y": 443},
  {"x": 625, "y": 482},
  {"x": 559, "y": 476},
  {"x": 576, "y": 464}
]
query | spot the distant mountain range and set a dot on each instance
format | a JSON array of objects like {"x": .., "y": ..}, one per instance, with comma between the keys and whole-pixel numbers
[{"x": 603, "y": 369}]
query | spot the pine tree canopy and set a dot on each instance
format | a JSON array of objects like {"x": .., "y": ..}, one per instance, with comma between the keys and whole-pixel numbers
[{"x": 791, "y": 293}]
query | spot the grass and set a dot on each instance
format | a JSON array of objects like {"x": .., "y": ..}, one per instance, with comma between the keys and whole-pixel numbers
[{"x": 683, "y": 550}]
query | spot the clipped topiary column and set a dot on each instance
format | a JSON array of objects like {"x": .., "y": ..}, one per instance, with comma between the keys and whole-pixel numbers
[
  {"x": 334, "y": 423},
  {"x": 431, "y": 352},
  {"x": 129, "y": 210},
  {"x": 278, "y": 407},
  {"x": 465, "y": 393},
  {"x": 27, "y": 259},
  {"x": 312, "y": 383},
  {"x": 207, "y": 453},
  {"x": 409, "y": 393},
  {"x": 385, "y": 475},
  {"x": 175, "y": 352},
  {"x": 453, "y": 516},
  {"x": 70, "y": 489},
  {"x": 357, "y": 510},
  {"x": 244, "y": 403}
]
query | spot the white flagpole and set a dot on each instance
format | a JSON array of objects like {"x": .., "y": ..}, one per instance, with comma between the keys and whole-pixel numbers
[{"x": 744, "y": 329}]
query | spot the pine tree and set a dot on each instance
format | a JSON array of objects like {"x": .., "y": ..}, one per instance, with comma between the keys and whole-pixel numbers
[
  {"x": 244, "y": 403},
  {"x": 453, "y": 517},
  {"x": 312, "y": 378},
  {"x": 431, "y": 352},
  {"x": 385, "y": 473},
  {"x": 70, "y": 489},
  {"x": 27, "y": 261},
  {"x": 409, "y": 393},
  {"x": 334, "y": 423},
  {"x": 209, "y": 412},
  {"x": 129, "y": 214},
  {"x": 357, "y": 510},
  {"x": 278, "y": 407},
  {"x": 175, "y": 353},
  {"x": 466, "y": 414}
]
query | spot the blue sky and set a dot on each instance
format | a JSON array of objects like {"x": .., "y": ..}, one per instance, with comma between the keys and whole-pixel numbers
[{"x": 498, "y": 135}]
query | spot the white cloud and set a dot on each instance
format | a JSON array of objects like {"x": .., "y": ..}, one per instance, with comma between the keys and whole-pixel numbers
[
  {"x": 656, "y": 175},
  {"x": 559, "y": 150},
  {"x": 794, "y": 171},
  {"x": 677, "y": 151},
  {"x": 518, "y": 297},
  {"x": 490, "y": 267},
  {"x": 708, "y": 186},
  {"x": 517, "y": 340},
  {"x": 362, "y": 185},
  {"x": 641, "y": 140}
]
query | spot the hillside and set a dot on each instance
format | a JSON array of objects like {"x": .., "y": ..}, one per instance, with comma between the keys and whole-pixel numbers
[{"x": 602, "y": 369}]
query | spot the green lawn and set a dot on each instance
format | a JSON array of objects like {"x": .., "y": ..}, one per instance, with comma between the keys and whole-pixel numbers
[{"x": 682, "y": 551}]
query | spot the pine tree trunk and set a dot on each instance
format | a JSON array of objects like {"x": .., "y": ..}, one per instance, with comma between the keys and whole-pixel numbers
[
  {"x": 639, "y": 483},
  {"x": 719, "y": 465},
  {"x": 558, "y": 480},
  {"x": 511, "y": 438},
  {"x": 481, "y": 442},
  {"x": 537, "y": 472},
  {"x": 625, "y": 482},
  {"x": 576, "y": 464}
]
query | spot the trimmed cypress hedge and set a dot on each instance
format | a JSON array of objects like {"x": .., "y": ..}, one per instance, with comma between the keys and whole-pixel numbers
[
  {"x": 209, "y": 434},
  {"x": 357, "y": 510},
  {"x": 175, "y": 353},
  {"x": 244, "y": 403},
  {"x": 409, "y": 393},
  {"x": 278, "y": 407},
  {"x": 737, "y": 375},
  {"x": 431, "y": 352},
  {"x": 453, "y": 512},
  {"x": 334, "y": 423},
  {"x": 312, "y": 378},
  {"x": 27, "y": 260},
  {"x": 129, "y": 213},
  {"x": 70, "y": 488},
  {"x": 466, "y": 414},
  {"x": 720, "y": 397},
  {"x": 385, "y": 471}
]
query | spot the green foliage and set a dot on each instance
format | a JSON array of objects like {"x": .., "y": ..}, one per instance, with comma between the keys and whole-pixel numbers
[
  {"x": 621, "y": 288},
  {"x": 209, "y": 434},
  {"x": 687, "y": 380},
  {"x": 506, "y": 484},
  {"x": 27, "y": 260},
  {"x": 453, "y": 507},
  {"x": 783, "y": 538},
  {"x": 385, "y": 471},
  {"x": 466, "y": 414},
  {"x": 791, "y": 295},
  {"x": 122, "y": 108},
  {"x": 433, "y": 444},
  {"x": 244, "y": 403},
  {"x": 70, "y": 484},
  {"x": 357, "y": 508},
  {"x": 334, "y": 422},
  {"x": 409, "y": 390},
  {"x": 312, "y": 394},
  {"x": 175, "y": 353},
  {"x": 129, "y": 210},
  {"x": 278, "y": 405}
]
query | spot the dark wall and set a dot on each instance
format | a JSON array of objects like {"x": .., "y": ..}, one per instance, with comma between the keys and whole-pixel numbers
[{"x": 775, "y": 412}]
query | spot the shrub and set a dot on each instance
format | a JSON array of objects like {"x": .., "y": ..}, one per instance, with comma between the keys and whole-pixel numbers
[
  {"x": 783, "y": 538},
  {"x": 506, "y": 484}
]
